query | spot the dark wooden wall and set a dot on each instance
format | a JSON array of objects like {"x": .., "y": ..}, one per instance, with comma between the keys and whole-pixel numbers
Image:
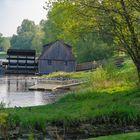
[
  {"x": 59, "y": 55},
  {"x": 21, "y": 62}
]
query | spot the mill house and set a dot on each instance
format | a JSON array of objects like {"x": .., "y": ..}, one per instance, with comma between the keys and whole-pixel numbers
[{"x": 56, "y": 56}]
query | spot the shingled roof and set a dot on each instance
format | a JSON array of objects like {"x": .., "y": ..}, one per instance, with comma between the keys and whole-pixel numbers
[{"x": 49, "y": 44}]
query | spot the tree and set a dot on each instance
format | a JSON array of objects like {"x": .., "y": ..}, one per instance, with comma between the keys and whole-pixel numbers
[
  {"x": 26, "y": 26},
  {"x": 51, "y": 31},
  {"x": 37, "y": 41},
  {"x": 22, "y": 41},
  {"x": 90, "y": 47},
  {"x": 29, "y": 36},
  {"x": 4, "y": 43},
  {"x": 25, "y": 34},
  {"x": 120, "y": 17},
  {"x": 60, "y": 24},
  {"x": 1, "y": 39},
  {"x": 65, "y": 23}
]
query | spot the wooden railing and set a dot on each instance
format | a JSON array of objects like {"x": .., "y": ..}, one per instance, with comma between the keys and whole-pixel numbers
[
  {"x": 119, "y": 62},
  {"x": 89, "y": 65}
]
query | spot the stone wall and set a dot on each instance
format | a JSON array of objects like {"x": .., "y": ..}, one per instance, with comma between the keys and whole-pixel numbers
[{"x": 76, "y": 130}]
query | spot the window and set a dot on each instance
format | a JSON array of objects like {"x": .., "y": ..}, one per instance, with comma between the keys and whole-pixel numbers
[
  {"x": 49, "y": 62},
  {"x": 66, "y": 63}
]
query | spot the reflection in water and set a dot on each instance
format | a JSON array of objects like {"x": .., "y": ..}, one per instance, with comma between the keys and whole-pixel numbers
[{"x": 14, "y": 92}]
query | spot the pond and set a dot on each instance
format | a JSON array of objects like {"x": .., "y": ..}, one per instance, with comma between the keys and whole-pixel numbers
[{"x": 14, "y": 92}]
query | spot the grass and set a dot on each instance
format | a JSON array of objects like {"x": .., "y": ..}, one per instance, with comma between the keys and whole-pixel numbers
[
  {"x": 73, "y": 75},
  {"x": 113, "y": 77},
  {"x": 129, "y": 136},
  {"x": 83, "y": 105},
  {"x": 3, "y": 55}
]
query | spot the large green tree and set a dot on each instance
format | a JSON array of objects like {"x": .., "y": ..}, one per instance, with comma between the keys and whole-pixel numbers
[
  {"x": 123, "y": 17},
  {"x": 29, "y": 36},
  {"x": 25, "y": 34},
  {"x": 90, "y": 47},
  {"x": 120, "y": 18},
  {"x": 64, "y": 23},
  {"x": 37, "y": 41}
]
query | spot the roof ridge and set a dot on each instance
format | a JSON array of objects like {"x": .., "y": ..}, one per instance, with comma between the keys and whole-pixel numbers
[{"x": 55, "y": 42}]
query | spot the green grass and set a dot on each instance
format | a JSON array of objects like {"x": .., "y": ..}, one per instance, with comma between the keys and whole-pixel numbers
[
  {"x": 123, "y": 106},
  {"x": 73, "y": 75},
  {"x": 3, "y": 55},
  {"x": 129, "y": 136}
]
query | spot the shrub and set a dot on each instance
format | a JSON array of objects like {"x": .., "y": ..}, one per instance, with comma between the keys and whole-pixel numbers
[
  {"x": 3, "y": 124},
  {"x": 110, "y": 76}
]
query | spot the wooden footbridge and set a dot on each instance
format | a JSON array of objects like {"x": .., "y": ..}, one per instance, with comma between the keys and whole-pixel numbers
[
  {"x": 21, "y": 62},
  {"x": 55, "y": 86}
]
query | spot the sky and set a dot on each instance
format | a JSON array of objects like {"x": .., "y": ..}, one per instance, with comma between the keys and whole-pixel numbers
[{"x": 12, "y": 13}]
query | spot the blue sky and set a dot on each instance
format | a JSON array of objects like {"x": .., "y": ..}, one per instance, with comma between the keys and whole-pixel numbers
[{"x": 12, "y": 13}]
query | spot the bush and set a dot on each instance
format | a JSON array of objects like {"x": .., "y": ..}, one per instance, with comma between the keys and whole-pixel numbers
[
  {"x": 110, "y": 76},
  {"x": 3, "y": 124}
]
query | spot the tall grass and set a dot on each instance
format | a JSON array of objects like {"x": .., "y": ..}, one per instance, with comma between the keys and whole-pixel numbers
[
  {"x": 3, "y": 124},
  {"x": 111, "y": 76}
]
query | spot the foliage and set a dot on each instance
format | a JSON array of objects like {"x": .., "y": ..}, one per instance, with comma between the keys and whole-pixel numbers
[
  {"x": 23, "y": 41},
  {"x": 117, "y": 20},
  {"x": 37, "y": 41},
  {"x": 3, "y": 124},
  {"x": 91, "y": 47},
  {"x": 64, "y": 24},
  {"x": 24, "y": 36},
  {"x": 51, "y": 31},
  {"x": 4, "y": 43},
  {"x": 29, "y": 36},
  {"x": 26, "y": 26},
  {"x": 2, "y": 105},
  {"x": 111, "y": 76},
  {"x": 31, "y": 137},
  {"x": 3, "y": 118},
  {"x": 71, "y": 75},
  {"x": 3, "y": 55}
]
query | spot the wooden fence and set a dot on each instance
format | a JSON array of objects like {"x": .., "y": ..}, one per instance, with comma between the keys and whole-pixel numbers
[
  {"x": 89, "y": 65},
  {"x": 119, "y": 62}
]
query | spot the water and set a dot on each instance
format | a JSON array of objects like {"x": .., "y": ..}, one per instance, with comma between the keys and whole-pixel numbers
[{"x": 14, "y": 92}]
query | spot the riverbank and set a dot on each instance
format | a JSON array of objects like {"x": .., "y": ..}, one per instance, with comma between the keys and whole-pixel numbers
[
  {"x": 108, "y": 104},
  {"x": 84, "y": 114}
]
